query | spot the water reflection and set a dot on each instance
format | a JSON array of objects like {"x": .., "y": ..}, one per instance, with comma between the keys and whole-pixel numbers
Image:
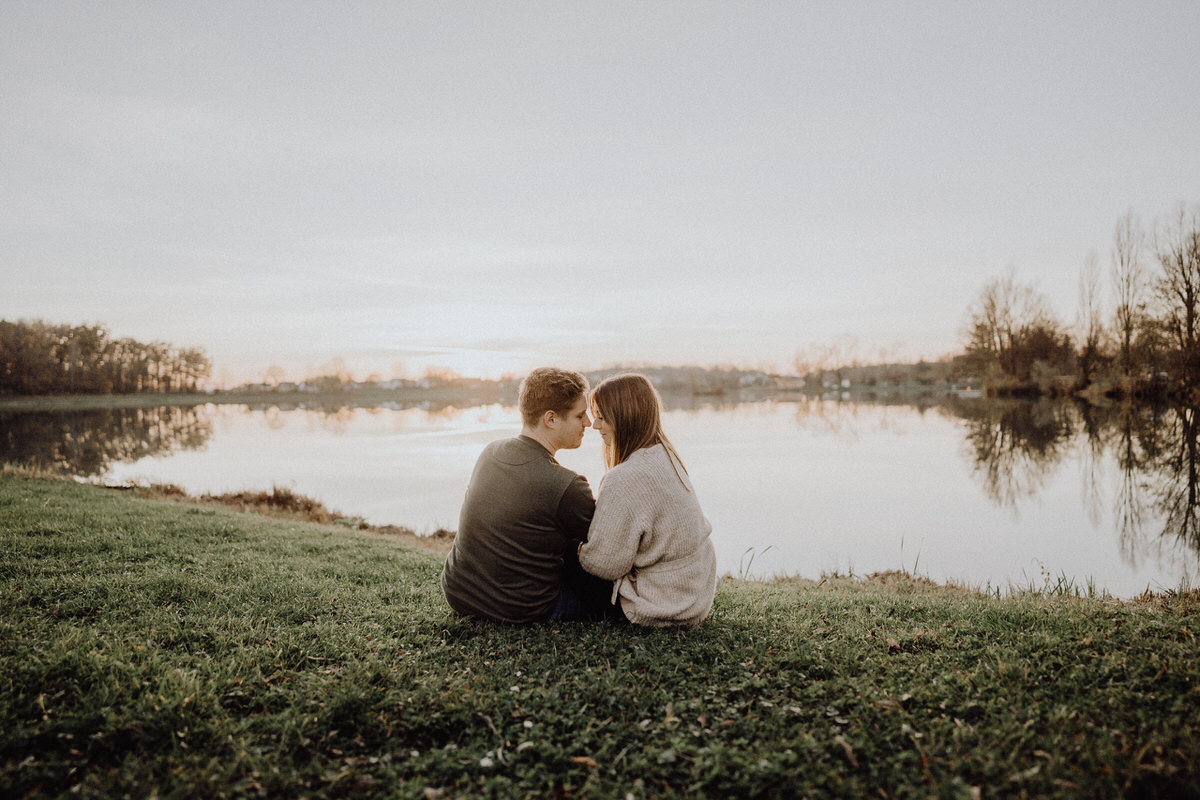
[
  {"x": 829, "y": 476},
  {"x": 338, "y": 416},
  {"x": 1015, "y": 447},
  {"x": 88, "y": 442},
  {"x": 848, "y": 421},
  {"x": 1165, "y": 453}
]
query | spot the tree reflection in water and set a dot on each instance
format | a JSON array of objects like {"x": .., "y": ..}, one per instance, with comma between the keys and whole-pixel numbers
[
  {"x": 87, "y": 442},
  {"x": 1174, "y": 494},
  {"x": 1015, "y": 446}
]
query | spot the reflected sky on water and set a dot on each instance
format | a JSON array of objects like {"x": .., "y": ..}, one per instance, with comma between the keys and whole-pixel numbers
[{"x": 987, "y": 494}]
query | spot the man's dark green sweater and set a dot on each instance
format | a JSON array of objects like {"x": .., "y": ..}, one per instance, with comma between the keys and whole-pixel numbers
[{"x": 522, "y": 515}]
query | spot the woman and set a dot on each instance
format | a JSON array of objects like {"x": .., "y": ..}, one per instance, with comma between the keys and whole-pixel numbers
[{"x": 648, "y": 534}]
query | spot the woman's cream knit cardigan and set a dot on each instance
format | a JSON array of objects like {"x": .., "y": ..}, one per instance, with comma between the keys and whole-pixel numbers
[{"x": 650, "y": 537}]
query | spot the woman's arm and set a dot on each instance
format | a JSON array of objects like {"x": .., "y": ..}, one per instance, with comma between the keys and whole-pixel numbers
[{"x": 614, "y": 536}]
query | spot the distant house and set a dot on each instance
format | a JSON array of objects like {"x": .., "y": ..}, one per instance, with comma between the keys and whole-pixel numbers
[{"x": 831, "y": 380}]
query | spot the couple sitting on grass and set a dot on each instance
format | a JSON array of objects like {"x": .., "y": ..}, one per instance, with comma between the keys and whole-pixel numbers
[{"x": 532, "y": 543}]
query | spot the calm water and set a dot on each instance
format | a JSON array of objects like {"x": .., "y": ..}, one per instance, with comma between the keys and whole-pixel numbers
[{"x": 988, "y": 494}]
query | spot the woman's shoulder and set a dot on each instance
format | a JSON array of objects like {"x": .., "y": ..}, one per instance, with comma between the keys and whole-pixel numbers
[{"x": 643, "y": 463}]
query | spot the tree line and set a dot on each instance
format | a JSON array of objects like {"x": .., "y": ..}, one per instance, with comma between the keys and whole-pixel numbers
[
  {"x": 1145, "y": 342},
  {"x": 39, "y": 358}
]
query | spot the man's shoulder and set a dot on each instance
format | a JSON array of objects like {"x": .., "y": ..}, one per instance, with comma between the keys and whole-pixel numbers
[
  {"x": 516, "y": 451},
  {"x": 521, "y": 451}
]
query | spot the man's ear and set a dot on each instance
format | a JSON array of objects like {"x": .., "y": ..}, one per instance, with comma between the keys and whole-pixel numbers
[{"x": 549, "y": 418}]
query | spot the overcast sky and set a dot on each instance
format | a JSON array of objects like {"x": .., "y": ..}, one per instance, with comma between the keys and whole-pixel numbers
[{"x": 495, "y": 186}]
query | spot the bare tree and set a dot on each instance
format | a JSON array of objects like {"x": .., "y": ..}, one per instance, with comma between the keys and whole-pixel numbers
[
  {"x": 332, "y": 376},
  {"x": 993, "y": 320},
  {"x": 1177, "y": 246},
  {"x": 1091, "y": 319},
  {"x": 836, "y": 356},
  {"x": 274, "y": 375},
  {"x": 847, "y": 354},
  {"x": 1011, "y": 326},
  {"x": 812, "y": 362},
  {"x": 1128, "y": 277}
]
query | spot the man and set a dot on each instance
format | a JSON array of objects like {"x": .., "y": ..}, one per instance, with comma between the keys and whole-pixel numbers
[{"x": 525, "y": 514}]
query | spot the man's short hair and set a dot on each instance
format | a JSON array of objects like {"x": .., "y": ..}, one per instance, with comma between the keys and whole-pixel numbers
[{"x": 549, "y": 389}]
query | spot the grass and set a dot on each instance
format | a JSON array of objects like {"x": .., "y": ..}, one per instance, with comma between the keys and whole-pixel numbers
[
  {"x": 280, "y": 502},
  {"x": 155, "y": 648}
]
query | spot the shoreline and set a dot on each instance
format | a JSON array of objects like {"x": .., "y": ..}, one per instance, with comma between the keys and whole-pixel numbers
[
  {"x": 283, "y": 503},
  {"x": 479, "y": 393}
]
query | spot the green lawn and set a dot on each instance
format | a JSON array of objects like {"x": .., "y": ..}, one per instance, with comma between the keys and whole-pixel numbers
[{"x": 156, "y": 648}]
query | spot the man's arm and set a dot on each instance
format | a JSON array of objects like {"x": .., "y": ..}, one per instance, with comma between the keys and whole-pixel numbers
[{"x": 575, "y": 511}]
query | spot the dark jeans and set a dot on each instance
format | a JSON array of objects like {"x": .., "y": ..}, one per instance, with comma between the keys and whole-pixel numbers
[{"x": 585, "y": 597}]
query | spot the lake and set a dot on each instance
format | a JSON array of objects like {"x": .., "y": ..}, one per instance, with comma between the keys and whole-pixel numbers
[{"x": 990, "y": 494}]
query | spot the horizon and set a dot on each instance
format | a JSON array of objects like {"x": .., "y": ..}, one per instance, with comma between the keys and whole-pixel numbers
[
  {"x": 491, "y": 189},
  {"x": 338, "y": 367}
]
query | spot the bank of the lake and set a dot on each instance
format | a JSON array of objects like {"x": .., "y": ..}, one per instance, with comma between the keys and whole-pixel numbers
[
  {"x": 480, "y": 392},
  {"x": 159, "y": 648}
]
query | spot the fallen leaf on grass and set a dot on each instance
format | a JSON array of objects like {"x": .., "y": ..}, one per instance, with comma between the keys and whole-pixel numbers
[
  {"x": 893, "y": 644},
  {"x": 584, "y": 760},
  {"x": 848, "y": 749}
]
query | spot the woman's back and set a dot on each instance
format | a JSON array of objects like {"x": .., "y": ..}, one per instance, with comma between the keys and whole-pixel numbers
[{"x": 650, "y": 535}]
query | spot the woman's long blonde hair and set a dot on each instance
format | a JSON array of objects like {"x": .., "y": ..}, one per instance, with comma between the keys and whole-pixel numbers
[{"x": 631, "y": 405}]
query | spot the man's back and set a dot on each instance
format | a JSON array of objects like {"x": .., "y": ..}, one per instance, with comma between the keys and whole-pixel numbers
[{"x": 522, "y": 513}]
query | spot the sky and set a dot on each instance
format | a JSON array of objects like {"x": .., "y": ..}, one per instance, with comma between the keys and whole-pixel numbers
[{"x": 491, "y": 187}]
